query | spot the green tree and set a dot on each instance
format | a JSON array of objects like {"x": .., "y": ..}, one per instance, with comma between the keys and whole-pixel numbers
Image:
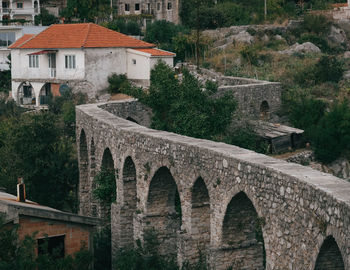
[
  {"x": 34, "y": 147},
  {"x": 185, "y": 106},
  {"x": 45, "y": 18},
  {"x": 330, "y": 138}
]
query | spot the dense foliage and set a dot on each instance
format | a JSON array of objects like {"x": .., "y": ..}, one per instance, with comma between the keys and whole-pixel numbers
[
  {"x": 128, "y": 26},
  {"x": 184, "y": 106},
  {"x": 105, "y": 190},
  {"x": 224, "y": 13},
  {"x": 87, "y": 10},
  {"x": 45, "y": 18},
  {"x": 40, "y": 147}
]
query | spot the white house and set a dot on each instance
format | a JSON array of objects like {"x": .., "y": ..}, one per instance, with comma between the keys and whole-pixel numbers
[
  {"x": 8, "y": 35},
  {"x": 80, "y": 56},
  {"x": 19, "y": 10}
]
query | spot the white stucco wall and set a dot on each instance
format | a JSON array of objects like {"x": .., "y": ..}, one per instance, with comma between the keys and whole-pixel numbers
[
  {"x": 139, "y": 70},
  {"x": 144, "y": 64},
  {"x": 103, "y": 62},
  {"x": 168, "y": 60},
  {"x": 21, "y": 69}
]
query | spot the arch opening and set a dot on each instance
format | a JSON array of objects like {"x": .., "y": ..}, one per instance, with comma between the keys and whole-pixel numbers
[
  {"x": 329, "y": 257},
  {"x": 105, "y": 186},
  {"x": 131, "y": 119},
  {"x": 242, "y": 237},
  {"x": 83, "y": 173},
  {"x": 130, "y": 199},
  {"x": 264, "y": 110},
  {"x": 163, "y": 211},
  {"x": 200, "y": 220},
  {"x": 45, "y": 94},
  {"x": 26, "y": 94},
  {"x": 94, "y": 204}
]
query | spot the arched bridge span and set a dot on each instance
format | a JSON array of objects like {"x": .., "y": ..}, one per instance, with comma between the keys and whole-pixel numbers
[{"x": 238, "y": 208}]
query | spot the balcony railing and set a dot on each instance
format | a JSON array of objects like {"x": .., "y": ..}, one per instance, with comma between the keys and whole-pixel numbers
[
  {"x": 52, "y": 72},
  {"x": 5, "y": 10}
]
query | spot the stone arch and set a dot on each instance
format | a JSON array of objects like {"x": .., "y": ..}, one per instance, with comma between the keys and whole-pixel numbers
[
  {"x": 83, "y": 173},
  {"x": 45, "y": 94},
  {"x": 200, "y": 219},
  {"x": 329, "y": 257},
  {"x": 107, "y": 169},
  {"x": 163, "y": 211},
  {"x": 107, "y": 160},
  {"x": 26, "y": 94},
  {"x": 94, "y": 204},
  {"x": 264, "y": 110},
  {"x": 242, "y": 238},
  {"x": 131, "y": 119},
  {"x": 129, "y": 203}
]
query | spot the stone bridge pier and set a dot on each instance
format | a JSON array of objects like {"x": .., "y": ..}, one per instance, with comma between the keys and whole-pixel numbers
[{"x": 203, "y": 200}]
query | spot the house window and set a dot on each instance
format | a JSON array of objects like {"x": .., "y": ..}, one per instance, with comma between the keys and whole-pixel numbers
[
  {"x": 52, "y": 245},
  {"x": 70, "y": 61},
  {"x": 169, "y": 5},
  {"x": 134, "y": 61},
  {"x": 7, "y": 38},
  {"x": 33, "y": 61},
  {"x": 19, "y": 5},
  {"x": 137, "y": 7},
  {"x": 158, "y": 6},
  {"x": 127, "y": 7}
]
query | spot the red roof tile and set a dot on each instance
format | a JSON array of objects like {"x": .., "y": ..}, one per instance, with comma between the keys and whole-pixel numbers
[
  {"x": 156, "y": 52},
  {"x": 337, "y": 5},
  {"x": 79, "y": 35},
  {"x": 21, "y": 40}
]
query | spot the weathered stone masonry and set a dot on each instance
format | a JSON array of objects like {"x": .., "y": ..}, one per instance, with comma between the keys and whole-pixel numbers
[{"x": 234, "y": 203}]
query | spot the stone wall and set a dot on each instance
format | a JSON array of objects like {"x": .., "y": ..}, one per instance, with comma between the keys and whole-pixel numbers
[
  {"x": 131, "y": 110},
  {"x": 251, "y": 95},
  {"x": 288, "y": 210}
]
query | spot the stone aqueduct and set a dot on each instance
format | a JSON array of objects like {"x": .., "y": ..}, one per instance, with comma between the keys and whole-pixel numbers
[{"x": 240, "y": 208}]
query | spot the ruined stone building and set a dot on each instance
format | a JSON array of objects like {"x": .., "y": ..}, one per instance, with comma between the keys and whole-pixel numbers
[{"x": 159, "y": 9}]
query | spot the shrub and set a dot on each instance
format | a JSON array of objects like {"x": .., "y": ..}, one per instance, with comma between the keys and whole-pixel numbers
[
  {"x": 330, "y": 138},
  {"x": 105, "y": 189},
  {"x": 250, "y": 54},
  {"x": 306, "y": 112},
  {"x": 45, "y": 18},
  {"x": 117, "y": 82},
  {"x": 328, "y": 69},
  {"x": 317, "y": 24}
]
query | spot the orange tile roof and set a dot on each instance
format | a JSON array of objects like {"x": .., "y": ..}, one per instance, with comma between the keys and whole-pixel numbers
[
  {"x": 337, "y": 5},
  {"x": 87, "y": 35},
  {"x": 21, "y": 40},
  {"x": 156, "y": 52}
]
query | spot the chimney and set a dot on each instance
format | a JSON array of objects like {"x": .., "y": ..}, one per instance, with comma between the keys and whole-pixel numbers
[{"x": 21, "y": 190}]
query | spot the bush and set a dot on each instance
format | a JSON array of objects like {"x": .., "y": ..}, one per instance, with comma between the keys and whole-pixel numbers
[
  {"x": 306, "y": 113},
  {"x": 329, "y": 69},
  {"x": 105, "y": 190},
  {"x": 250, "y": 54},
  {"x": 45, "y": 18},
  {"x": 330, "y": 138},
  {"x": 5, "y": 81},
  {"x": 317, "y": 24},
  {"x": 117, "y": 82}
]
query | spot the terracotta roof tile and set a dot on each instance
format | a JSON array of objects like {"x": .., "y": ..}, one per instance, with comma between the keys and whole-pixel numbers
[
  {"x": 338, "y": 5},
  {"x": 79, "y": 35},
  {"x": 21, "y": 40},
  {"x": 156, "y": 52}
]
